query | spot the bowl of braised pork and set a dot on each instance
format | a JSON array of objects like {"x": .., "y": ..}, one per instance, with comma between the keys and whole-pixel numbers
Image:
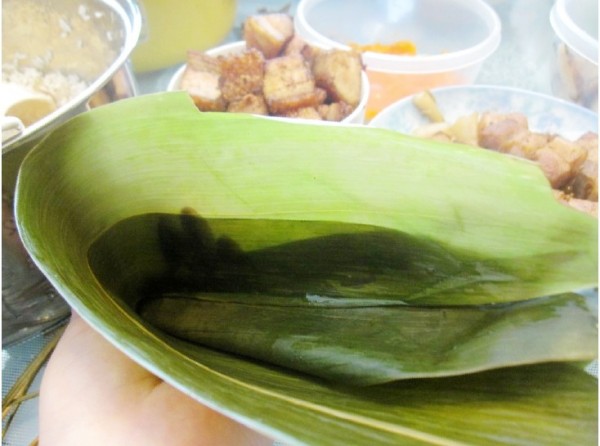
[
  {"x": 559, "y": 136},
  {"x": 273, "y": 72}
]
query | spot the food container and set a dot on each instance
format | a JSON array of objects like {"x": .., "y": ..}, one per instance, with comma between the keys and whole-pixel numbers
[
  {"x": 53, "y": 43},
  {"x": 170, "y": 28},
  {"x": 356, "y": 117},
  {"x": 575, "y": 68},
  {"x": 452, "y": 40},
  {"x": 546, "y": 114}
]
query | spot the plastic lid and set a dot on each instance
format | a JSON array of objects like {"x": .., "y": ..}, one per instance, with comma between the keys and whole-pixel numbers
[{"x": 569, "y": 19}]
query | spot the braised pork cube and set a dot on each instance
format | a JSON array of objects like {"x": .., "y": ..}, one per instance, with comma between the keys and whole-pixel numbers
[
  {"x": 585, "y": 183},
  {"x": 268, "y": 33},
  {"x": 304, "y": 113},
  {"x": 527, "y": 145},
  {"x": 289, "y": 85},
  {"x": 241, "y": 74},
  {"x": 560, "y": 160},
  {"x": 296, "y": 45},
  {"x": 201, "y": 79},
  {"x": 310, "y": 52},
  {"x": 499, "y": 131},
  {"x": 336, "y": 111},
  {"x": 572, "y": 152},
  {"x": 556, "y": 169},
  {"x": 251, "y": 103},
  {"x": 588, "y": 206},
  {"x": 339, "y": 73},
  {"x": 589, "y": 141}
]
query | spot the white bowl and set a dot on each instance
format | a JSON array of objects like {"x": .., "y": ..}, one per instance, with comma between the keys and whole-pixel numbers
[
  {"x": 356, "y": 117},
  {"x": 544, "y": 113},
  {"x": 452, "y": 37},
  {"x": 575, "y": 69}
]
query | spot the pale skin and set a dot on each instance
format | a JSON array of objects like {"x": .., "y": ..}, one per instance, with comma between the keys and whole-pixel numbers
[{"x": 93, "y": 394}]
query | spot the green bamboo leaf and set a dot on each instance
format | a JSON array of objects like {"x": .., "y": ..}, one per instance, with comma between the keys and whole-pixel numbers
[
  {"x": 371, "y": 343},
  {"x": 156, "y": 154},
  {"x": 495, "y": 208}
]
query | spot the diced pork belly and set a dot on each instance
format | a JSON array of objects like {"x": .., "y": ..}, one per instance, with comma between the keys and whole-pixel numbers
[
  {"x": 242, "y": 74},
  {"x": 527, "y": 144},
  {"x": 201, "y": 79},
  {"x": 296, "y": 45},
  {"x": 571, "y": 152},
  {"x": 560, "y": 160},
  {"x": 339, "y": 73},
  {"x": 309, "y": 53},
  {"x": 585, "y": 182},
  {"x": 588, "y": 206},
  {"x": 589, "y": 141},
  {"x": 268, "y": 33},
  {"x": 336, "y": 111},
  {"x": 289, "y": 85},
  {"x": 499, "y": 131},
  {"x": 304, "y": 113},
  {"x": 556, "y": 169},
  {"x": 250, "y": 103}
]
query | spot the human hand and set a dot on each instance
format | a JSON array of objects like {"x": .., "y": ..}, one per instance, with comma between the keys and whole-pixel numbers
[{"x": 93, "y": 394}]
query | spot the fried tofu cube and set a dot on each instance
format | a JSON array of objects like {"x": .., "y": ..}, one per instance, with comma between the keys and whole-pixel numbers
[
  {"x": 289, "y": 85},
  {"x": 251, "y": 103},
  {"x": 339, "y": 73},
  {"x": 201, "y": 79},
  {"x": 268, "y": 33},
  {"x": 241, "y": 74}
]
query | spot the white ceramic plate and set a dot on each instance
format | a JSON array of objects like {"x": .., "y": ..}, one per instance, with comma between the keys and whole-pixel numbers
[{"x": 544, "y": 113}]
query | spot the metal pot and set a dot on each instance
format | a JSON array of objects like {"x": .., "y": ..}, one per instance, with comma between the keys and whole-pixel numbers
[{"x": 91, "y": 40}]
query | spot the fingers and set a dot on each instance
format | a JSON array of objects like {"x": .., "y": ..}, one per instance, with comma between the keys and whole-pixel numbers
[{"x": 92, "y": 393}]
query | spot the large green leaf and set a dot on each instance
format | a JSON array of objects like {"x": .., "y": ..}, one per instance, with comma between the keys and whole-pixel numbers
[
  {"x": 370, "y": 343},
  {"x": 156, "y": 154}
]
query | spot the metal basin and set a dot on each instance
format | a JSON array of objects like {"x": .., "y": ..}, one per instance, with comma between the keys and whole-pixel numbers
[{"x": 89, "y": 41}]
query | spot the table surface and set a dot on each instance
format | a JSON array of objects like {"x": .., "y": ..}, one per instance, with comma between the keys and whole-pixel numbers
[{"x": 522, "y": 60}]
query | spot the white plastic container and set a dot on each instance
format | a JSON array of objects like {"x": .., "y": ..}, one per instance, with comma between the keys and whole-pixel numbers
[
  {"x": 575, "y": 69},
  {"x": 356, "y": 117},
  {"x": 452, "y": 38}
]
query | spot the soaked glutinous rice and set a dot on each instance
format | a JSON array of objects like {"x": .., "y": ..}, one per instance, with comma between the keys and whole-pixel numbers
[
  {"x": 60, "y": 86},
  {"x": 57, "y": 47}
]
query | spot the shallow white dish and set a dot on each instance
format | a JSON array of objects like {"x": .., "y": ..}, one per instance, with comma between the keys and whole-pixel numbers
[
  {"x": 356, "y": 117},
  {"x": 545, "y": 113}
]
